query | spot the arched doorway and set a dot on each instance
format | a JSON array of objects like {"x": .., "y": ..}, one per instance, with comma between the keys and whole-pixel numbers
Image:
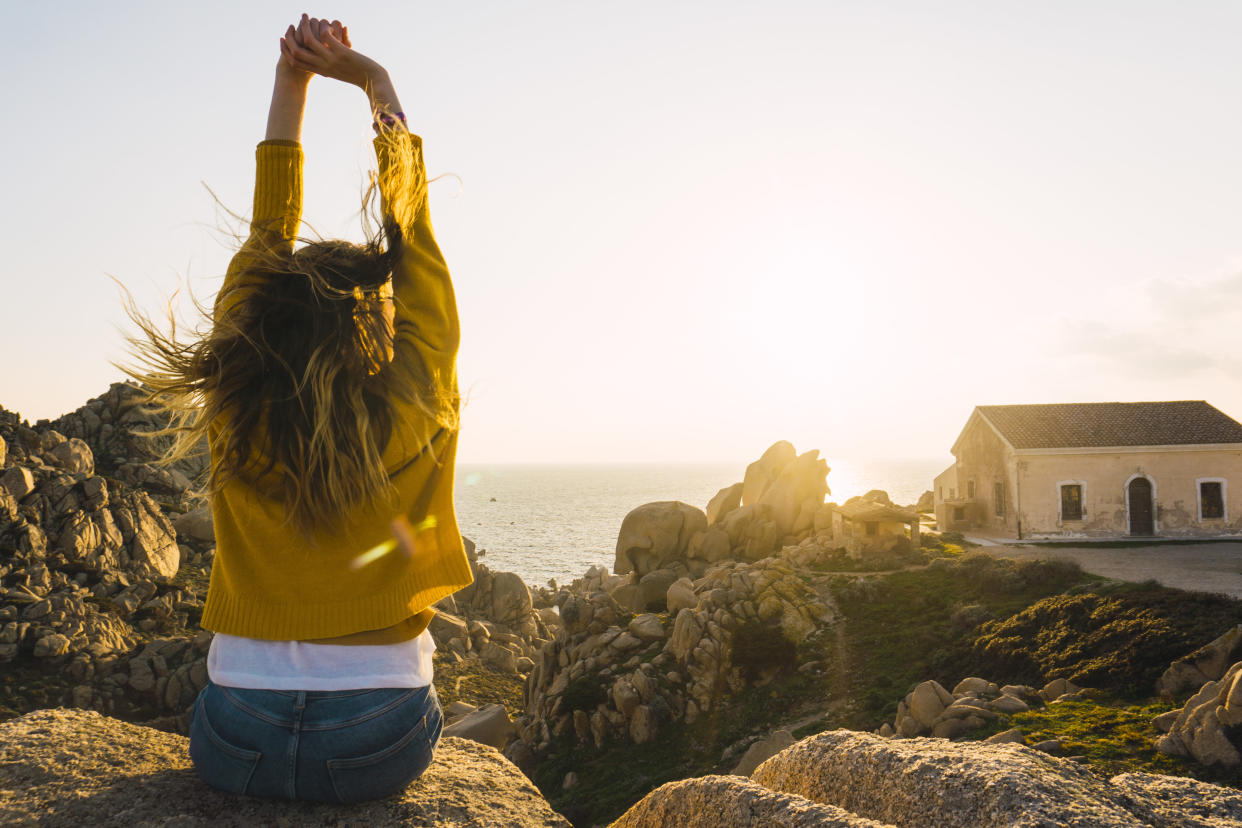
[{"x": 1142, "y": 510}]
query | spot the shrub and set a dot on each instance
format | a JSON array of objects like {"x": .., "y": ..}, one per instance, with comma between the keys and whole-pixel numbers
[
  {"x": 583, "y": 693},
  {"x": 760, "y": 648}
]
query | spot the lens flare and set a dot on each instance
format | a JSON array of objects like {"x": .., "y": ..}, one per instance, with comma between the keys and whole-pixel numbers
[{"x": 404, "y": 532}]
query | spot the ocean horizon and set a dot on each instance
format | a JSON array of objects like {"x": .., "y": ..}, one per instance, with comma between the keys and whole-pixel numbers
[{"x": 555, "y": 520}]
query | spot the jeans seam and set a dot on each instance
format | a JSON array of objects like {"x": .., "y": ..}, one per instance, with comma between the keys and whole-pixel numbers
[
  {"x": 400, "y": 700},
  {"x": 258, "y": 714}
]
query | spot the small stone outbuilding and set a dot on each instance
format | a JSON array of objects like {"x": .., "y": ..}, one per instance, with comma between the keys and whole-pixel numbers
[
  {"x": 867, "y": 527},
  {"x": 1095, "y": 470}
]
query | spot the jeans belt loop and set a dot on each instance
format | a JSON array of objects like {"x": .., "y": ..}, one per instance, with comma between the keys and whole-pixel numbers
[{"x": 299, "y": 705}]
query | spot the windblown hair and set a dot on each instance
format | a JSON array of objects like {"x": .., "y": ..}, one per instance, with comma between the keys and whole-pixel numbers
[{"x": 291, "y": 372}]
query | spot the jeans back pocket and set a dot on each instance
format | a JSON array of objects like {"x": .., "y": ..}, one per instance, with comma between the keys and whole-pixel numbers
[
  {"x": 220, "y": 764},
  {"x": 383, "y": 772}
]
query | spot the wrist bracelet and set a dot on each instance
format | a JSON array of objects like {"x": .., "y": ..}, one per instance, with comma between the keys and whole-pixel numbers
[{"x": 388, "y": 120}]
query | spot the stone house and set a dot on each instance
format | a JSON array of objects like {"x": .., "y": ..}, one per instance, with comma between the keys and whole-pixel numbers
[
  {"x": 868, "y": 527},
  {"x": 1107, "y": 470}
]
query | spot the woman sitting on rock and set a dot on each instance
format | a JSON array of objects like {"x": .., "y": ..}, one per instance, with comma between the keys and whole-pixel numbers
[{"x": 326, "y": 389}]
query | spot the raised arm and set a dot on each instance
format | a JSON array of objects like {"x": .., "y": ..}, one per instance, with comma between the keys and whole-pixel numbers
[
  {"x": 426, "y": 327},
  {"x": 277, "y": 209}
]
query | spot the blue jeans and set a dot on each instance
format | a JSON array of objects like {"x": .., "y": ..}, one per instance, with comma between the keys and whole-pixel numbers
[{"x": 325, "y": 746}]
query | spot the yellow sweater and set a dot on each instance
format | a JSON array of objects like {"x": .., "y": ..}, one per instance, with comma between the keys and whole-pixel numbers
[{"x": 266, "y": 582}]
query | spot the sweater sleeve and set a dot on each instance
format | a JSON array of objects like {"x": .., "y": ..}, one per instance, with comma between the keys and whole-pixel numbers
[
  {"x": 426, "y": 330},
  {"x": 277, "y": 210}
]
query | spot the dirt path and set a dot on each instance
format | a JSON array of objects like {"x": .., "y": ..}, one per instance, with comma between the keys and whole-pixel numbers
[{"x": 835, "y": 658}]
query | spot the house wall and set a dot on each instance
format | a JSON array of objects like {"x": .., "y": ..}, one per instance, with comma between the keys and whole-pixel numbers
[
  {"x": 984, "y": 459},
  {"x": 943, "y": 488},
  {"x": 1174, "y": 475}
]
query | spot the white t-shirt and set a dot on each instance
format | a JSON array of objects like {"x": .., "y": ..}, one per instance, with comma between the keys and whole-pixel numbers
[{"x": 256, "y": 664}]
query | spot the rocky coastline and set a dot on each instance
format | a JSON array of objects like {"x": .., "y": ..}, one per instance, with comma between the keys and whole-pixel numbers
[{"x": 717, "y": 632}]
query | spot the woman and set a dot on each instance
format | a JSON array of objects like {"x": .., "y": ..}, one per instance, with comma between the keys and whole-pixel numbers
[{"x": 327, "y": 392}]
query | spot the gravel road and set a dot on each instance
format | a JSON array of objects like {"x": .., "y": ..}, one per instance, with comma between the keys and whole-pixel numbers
[{"x": 1203, "y": 567}]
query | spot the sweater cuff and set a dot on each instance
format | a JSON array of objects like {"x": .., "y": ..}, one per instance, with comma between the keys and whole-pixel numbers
[{"x": 278, "y": 187}]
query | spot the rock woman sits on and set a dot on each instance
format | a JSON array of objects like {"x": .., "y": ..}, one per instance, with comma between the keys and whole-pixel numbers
[{"x": 326, "y": 390}]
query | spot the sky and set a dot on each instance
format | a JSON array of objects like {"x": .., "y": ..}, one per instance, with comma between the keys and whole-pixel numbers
[{"x": 679, "y": 231}]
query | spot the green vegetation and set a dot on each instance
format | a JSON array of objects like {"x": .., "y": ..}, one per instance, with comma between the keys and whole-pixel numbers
[
  {"x": 910, "y": 626},
  {"x": 614, "y": 777},
  {"x": 760, "y": 649},
  {"x": 1113, "y": 735},
  {"x": 1118, "y": 638},
  {"x": 476, "y": 683}
]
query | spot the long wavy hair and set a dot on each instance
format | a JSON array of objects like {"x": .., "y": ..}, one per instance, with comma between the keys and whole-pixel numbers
[{"x": 291, "y": 369}]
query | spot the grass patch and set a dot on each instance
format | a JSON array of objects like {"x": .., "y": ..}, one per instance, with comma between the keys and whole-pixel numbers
[
  {"x": 1118, "y": 639},
  {"x": 911, "y": 626},
  {"x": 474, "y": 682},
  {"x": 1113, "y": 735}
]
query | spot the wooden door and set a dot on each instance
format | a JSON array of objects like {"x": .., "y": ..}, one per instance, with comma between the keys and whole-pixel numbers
[{"x": 1141, "y": 508}]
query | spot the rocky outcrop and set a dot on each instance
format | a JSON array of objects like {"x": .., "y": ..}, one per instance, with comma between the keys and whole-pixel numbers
[
  {"x": 930, "y": 710},
  {"x": 117, "y": 428},
  {"x": 611, "y": 674},
  {"x": 844, "y": 778},
  {"x": 1206, "y": 728},
  {"x": 72, "y": 768},
  {"x": 1208, "y": 663},
  {"x": 934, "y": 782},
  {"x": 780, "y": 503},
  {"x": 87, "y": 572},
  {"x": 731, "y": 802}
]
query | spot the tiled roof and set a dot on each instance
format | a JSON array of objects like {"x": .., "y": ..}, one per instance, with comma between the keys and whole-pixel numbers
[{"x": 1088, "y": 425}]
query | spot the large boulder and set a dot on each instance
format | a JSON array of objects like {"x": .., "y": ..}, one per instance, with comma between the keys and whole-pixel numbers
[
  {"x": 488, "y": 725},
  {"x": 74, "y": 456},
  {"x": 153, "y": 541},
  {"x": 752, "y": 532},
  {"x": 725, "y": 501},
  {"x": 934, "y": 782},
  {"x": 196, "y": 525},
  {"x": 732, "y": 802},
  {"x": 797, "y": 492},
  {"x": 761, "y": 751},
  {"x": 511, "y": 603},
  {"x": 655, "y": 535},
  {"x": 764, "y": 471},
  {"x": 1208, "y": 663},
  {"x": 1206, "y": 726},
  {"x": 73, "y": 767}
]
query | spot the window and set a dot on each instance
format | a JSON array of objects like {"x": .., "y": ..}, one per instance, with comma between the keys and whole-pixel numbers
[
  {"x": 970, "y": 489},
  {"x": 998, "y": 493},
  {"x": 873, "y": 527},
  {"x": 941, "y": 492},
  {"x": 1071, "y": 502},
  {"x": 959, "y": 513},
  {"x": 1211, "y": 500}
]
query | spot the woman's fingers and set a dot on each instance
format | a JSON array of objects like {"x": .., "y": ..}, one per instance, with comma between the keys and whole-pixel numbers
[
  {"x": 306, "y": 34},
  {"x": 305, "y": 58}
]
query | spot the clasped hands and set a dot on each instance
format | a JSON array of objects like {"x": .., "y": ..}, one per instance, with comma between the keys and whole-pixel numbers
[{"x": 322, "y": 47}]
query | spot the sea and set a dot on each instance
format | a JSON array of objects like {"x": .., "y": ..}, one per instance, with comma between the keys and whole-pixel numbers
[{"x": 556, "y": 521}]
